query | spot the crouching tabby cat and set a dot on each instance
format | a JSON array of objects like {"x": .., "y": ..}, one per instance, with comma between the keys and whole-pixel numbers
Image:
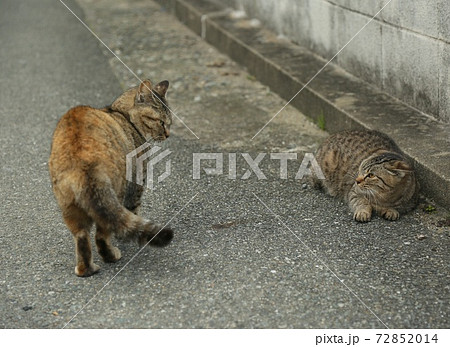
[
  {"x": 369, "y": 171},
  {"x": 88, "y": 169}
]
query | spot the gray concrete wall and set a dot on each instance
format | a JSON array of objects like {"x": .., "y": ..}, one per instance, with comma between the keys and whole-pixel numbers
[{"x": 405, "y": 50}]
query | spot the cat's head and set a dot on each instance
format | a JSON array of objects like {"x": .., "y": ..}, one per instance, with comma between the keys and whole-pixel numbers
[
  {"x": 150, "y": 112},
  {"x": 386, "y": 179}
]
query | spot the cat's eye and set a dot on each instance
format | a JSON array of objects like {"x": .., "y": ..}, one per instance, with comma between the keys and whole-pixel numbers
[
  {"x": 370, "y": 175},
  {"x": 162, "y": 123}
]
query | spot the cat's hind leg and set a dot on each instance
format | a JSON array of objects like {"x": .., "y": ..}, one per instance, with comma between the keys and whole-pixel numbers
[
  {"x": 107, "y": 251},
  {"x": 105, "y": 209},
  {"x": 79, "y": 223},
  {"x": 315, "y": 182},
  {"x": 133, "y": 196}
]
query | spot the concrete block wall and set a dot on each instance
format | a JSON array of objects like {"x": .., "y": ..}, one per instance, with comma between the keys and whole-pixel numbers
[{"x": 404, "y": 51}]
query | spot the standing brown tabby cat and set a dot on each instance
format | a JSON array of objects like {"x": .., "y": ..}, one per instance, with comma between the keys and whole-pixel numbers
[
  {"x": 88, "y": 169},
  {"x": 369, "y": 171}
]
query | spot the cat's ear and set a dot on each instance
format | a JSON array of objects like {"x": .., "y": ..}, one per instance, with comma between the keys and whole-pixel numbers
[
  {"x": 161, "y": 88},
  {"x": 399, "y": 168},
  {"x": 145, "y": 88}
]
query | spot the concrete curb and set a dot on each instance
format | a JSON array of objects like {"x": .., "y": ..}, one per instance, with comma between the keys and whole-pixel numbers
[{"x": 335, "y": 98}]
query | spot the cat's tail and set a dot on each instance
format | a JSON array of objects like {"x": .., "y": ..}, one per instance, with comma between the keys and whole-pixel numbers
[{"x": 101, "y": 203}]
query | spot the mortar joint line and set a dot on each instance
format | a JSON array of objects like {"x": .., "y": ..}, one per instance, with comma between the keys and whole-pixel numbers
[
  {"x": 320, "y": 70},
  {"x": 209, "y": 15}
]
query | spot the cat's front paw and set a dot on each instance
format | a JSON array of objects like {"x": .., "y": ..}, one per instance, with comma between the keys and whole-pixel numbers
[
  {"x": 390, "y": 214},
  {"x": 362, "y": 216}
]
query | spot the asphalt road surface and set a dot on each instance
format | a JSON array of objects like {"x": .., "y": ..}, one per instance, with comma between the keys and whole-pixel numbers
[{"x": 248, "y": 253}]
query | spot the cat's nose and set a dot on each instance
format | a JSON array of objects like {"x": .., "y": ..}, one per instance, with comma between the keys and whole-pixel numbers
[{"x": 359, "y": 179}]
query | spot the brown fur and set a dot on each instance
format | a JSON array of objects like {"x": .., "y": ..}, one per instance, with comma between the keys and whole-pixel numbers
[
  {"x": 88, "y": 168},
  {"x": 369, "y": 171}
]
